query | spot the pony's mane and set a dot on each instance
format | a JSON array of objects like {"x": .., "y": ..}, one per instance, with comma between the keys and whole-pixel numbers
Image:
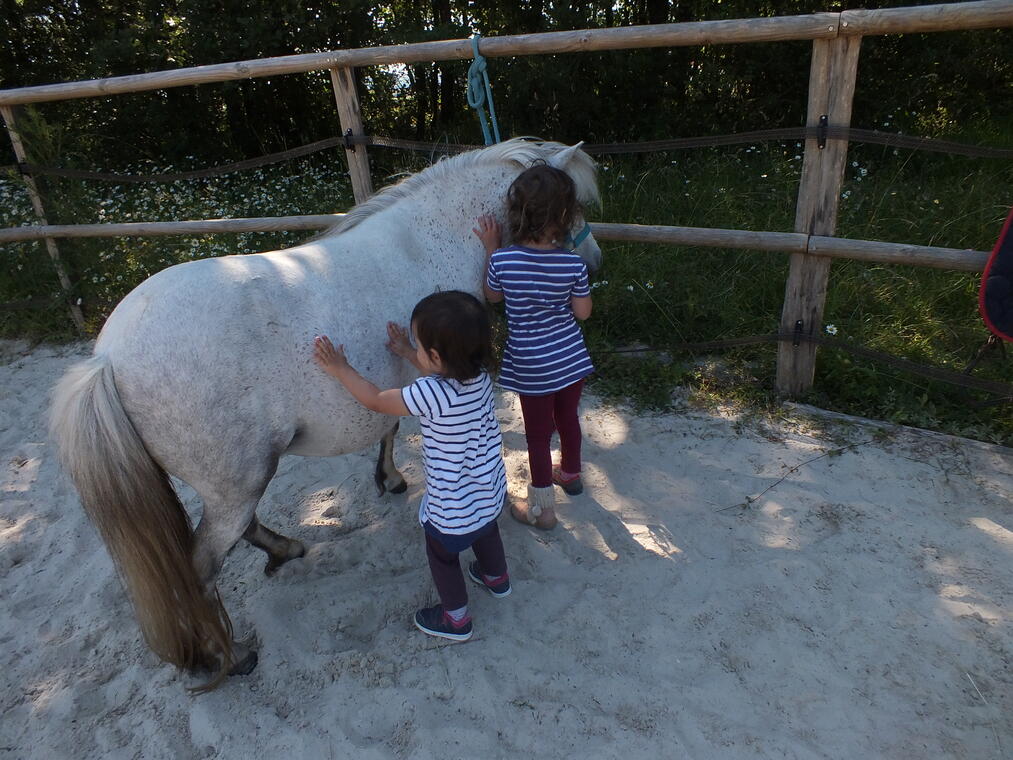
[{"x": 522, "y": 151}]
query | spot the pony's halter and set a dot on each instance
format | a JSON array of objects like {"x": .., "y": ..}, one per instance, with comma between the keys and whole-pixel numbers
[{"x": 572, "y": 241}]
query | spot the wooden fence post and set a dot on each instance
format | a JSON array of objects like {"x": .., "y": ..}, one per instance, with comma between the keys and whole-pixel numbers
[
  {"x": 831, "y": 90},
  {"x": 40, "y": 214},
  {"x": 343, "y": 81}
]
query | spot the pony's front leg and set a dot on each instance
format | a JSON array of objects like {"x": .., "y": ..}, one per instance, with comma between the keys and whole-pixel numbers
[
  {"x": 386, "y": 476},
  {"x": 280, "y": 549}
]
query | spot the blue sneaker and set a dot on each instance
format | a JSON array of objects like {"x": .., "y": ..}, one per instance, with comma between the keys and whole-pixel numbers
[
  {"x": 498, "y": 590},
  {"x": 436, "y": 622}
]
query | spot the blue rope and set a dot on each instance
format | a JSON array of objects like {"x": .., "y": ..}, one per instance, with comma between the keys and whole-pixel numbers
[{"x": 479, "y": 91}]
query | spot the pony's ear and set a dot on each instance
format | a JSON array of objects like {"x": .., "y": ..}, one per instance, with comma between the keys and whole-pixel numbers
[{"x": 563, "y": 157}]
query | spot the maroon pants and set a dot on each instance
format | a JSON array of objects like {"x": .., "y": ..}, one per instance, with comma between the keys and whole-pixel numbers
[
  {"x": 446, "y": 566},
  {"x": 542, "y": 416}
]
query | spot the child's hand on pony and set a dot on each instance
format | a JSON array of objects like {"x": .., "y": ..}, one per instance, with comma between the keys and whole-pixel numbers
[
  {"x": 397, "y": 341},
  {"x": 331, "y": 360},
  {"x": 489, "y": 232}
]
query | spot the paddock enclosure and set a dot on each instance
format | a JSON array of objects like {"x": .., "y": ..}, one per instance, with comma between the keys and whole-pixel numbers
[
  {"x": 729, "y": 586},
  {"x": 836, "y": 42}
]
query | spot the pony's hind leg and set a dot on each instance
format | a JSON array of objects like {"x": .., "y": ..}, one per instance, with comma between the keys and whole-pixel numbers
[
  {"x": 222, "y": 525},
  {"x": 280, "y": 549},
  {"x": 386, "y": 476}
]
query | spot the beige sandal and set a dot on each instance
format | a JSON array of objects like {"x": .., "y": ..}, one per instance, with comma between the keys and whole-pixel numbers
[{"x": 538, "y": 511}]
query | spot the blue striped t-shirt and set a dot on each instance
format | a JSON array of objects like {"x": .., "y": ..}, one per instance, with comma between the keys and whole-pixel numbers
[
  {"x": 462, "y": 448},
  {"x": 545, "y": 349}
]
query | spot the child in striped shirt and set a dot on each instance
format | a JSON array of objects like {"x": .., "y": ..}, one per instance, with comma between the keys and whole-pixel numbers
[
  {"x": 461, "y": 446},
  {"x": 546, "y": 290}
]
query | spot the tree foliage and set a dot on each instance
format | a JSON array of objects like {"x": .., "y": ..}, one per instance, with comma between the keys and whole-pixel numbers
[{"x": 925, "y": 84}]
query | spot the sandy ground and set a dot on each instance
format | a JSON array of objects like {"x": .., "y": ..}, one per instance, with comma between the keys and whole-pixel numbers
[{"x": 860, "y": 607}]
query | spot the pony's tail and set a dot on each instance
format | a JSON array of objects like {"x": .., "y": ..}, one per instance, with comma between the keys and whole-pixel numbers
[{"x": 131, "y": 501}]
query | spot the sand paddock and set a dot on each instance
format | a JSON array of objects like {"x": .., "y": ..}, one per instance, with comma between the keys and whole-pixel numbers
[{"x": 860, "y": 607}]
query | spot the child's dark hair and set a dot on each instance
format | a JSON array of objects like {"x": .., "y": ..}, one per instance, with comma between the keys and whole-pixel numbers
[
  {"x": 456, "y": 326},
  {"x": 541, "y": 205}
]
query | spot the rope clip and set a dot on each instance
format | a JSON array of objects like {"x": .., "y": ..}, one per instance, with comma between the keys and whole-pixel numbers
[
  {"x": 349, "y": 145},
  {"x": 797, "y": 336},
  {"x": 821, "y": 133}
]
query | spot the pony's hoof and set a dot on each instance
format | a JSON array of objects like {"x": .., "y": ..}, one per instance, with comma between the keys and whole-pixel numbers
[
  {"x": 246, "y": 665},
  {"x": 296, "y": 550},
  {"x": 381, "y": 486}
]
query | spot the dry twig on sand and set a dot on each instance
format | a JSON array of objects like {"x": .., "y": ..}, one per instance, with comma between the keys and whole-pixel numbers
[{"x": 831, "y": 453}]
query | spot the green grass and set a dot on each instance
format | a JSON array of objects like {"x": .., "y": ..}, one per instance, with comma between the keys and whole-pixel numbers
[
  {"x": 645, "y": 295},
  {"x": 106, "y": 269},
  {"x": 659, "y": 295}
]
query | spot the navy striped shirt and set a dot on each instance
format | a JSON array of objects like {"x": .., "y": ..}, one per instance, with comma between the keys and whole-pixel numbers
[
  {"x": 545, "y": 349},
  {"x": 463, "y": 452}
]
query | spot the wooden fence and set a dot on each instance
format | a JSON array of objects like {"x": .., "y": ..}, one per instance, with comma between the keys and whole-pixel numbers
[{"x": 836, "y": 40}]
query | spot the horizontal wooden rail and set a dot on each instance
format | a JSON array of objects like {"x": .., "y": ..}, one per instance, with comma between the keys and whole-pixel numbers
[
  {"x": 797, "y": 242},
  {"x": 163, "y": 229},
  {"x": 784, "y": 242},
  {"x": 898, "y": 253},
  {"x": 691, "y": 33},
  {"x": 926, "y": 18}
]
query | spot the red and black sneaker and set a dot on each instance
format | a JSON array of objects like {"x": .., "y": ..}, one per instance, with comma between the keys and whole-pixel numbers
[
  {"x": 499, "y": 588},
  {"x": 573, "y": 485},
  {"x": 436, "y": 622}
]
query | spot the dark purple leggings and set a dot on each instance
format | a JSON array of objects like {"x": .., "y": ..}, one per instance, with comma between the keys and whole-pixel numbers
[
  {"x": 446, "y": 566},
  {"x": 543, "y": 415}
]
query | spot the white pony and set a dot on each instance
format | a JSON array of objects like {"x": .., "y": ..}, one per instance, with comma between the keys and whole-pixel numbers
[{"x": 205, "y": 372}]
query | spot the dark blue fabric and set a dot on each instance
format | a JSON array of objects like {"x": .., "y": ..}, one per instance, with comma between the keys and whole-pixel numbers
[
  {"x": 997, "y": 287},
  {"x": 456, "y": 544},
  {"x": 545, "y": 350}
]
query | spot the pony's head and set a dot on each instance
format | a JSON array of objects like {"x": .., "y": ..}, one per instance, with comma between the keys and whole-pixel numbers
[
  {"x": 517, "y": 154},
  {"x": 582, "y": 170}
]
